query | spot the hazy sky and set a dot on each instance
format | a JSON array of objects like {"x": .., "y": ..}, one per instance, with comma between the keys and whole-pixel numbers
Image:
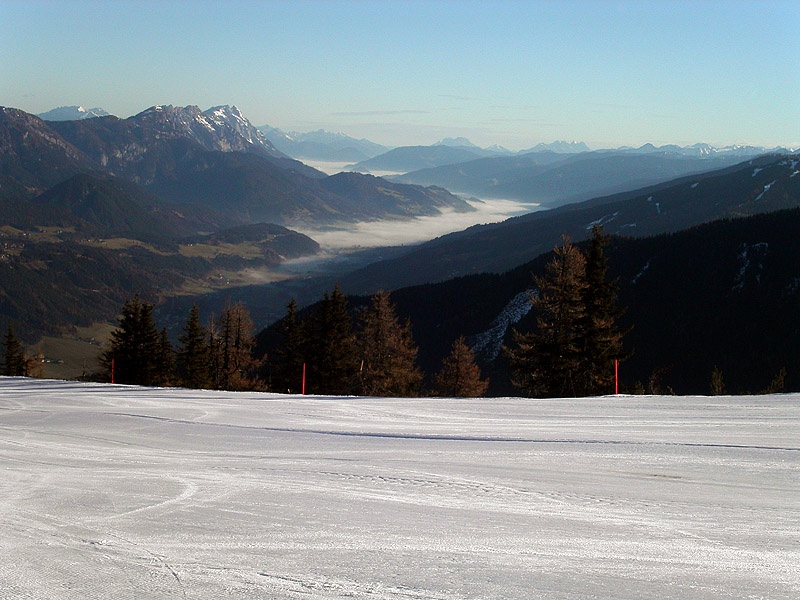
[{"x": 515, "y": 73}]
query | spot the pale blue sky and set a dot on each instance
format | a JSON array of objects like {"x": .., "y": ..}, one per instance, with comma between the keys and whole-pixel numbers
[{"x": 515, "y": 73}]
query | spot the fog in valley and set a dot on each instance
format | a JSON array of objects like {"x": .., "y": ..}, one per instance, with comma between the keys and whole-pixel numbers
[{"x": 374, "y": 234}]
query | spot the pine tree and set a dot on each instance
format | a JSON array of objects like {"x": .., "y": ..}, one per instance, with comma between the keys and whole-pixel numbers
[
  {"x": 460, "y": 376},
  {"x": 601, "y": 338},
  {"x": 717, "y": 383},
  {"x": 330, "y": 348},
  {"x": 388, "y": 352},
  {"x": 547, "y": 361},
  {"x": 214, "y": 345},
  {"x": 135, "y": 346},
  {"x": 165, "y": 359},
  {"x": 778, "y": 383},
  {"x": 287, "y": 360},
  {"x": 238, "y": 368},
  {"x": 15, "y": 363},
  {"x": 193, "y": 353}
]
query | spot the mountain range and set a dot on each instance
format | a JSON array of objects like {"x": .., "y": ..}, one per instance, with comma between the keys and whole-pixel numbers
[
  {"x": 760, "y": 185},
  {"x": 723, "y": 294},
  {"x": 177, "y": 202},
  {"x": 553, "y": 179},
  {"x": 214, "y": 159},
  {"x": 72, "y": 113},
  {"x": 322, "y": 145},
  {"x": 94, "y": 210}
]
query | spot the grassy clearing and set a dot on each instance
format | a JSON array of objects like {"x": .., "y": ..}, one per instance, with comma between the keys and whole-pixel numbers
[
  {"x": 209, "y": 251},
  {"x": 220, "y": 280},
  {"x": 71, "y": 356},
  {"x": 120, "y": 244}
]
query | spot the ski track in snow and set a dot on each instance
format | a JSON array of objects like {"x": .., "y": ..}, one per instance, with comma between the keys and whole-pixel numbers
[{"x": 125, "y": 492}]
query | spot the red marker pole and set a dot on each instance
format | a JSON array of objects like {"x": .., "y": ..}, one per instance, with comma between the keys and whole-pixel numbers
[
  {"x": 616, "y": 377},
  {"x": 304, "y": 379}
]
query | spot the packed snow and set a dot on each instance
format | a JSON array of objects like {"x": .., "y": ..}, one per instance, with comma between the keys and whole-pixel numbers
[{"x": 125, "y": 492}]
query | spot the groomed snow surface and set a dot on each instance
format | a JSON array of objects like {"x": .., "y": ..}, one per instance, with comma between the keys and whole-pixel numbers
[{"x": 124, "y": 492}]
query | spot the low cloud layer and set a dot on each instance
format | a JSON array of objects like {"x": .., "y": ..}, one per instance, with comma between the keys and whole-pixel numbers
[{"x": 395, "y": 233}]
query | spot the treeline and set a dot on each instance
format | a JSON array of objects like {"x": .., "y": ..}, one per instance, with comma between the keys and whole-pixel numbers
[
  {"x": 370, "y": 353},
  {"x": 16, "y": 361},
  {"x": 218, "y": 355},
  {"x": 329, "y": 351},
  {"x": 576, "y": 339}
]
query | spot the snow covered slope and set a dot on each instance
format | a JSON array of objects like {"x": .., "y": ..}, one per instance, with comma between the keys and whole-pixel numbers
[{"x": 124, "y": 492}]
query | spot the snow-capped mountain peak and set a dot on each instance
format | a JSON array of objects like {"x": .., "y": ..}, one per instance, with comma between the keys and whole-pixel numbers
[
  {"x": 222, "y": 128},
  {"x": 72, "y": 113},
  {"x": 456, "y": 142}
]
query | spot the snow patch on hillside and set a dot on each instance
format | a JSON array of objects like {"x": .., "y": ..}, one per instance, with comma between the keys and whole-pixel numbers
[
  {"x": 602, "y": 221},
  {"x": 487, "y": 344},
  {"x": 766, "y": 189},
  {"x": 750, "y": 264},
  {"x": 641, "y": 272}
]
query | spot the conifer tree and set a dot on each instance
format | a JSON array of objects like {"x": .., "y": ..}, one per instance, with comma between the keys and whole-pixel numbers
[
  {"x": 15, "y": 363},
  {"x": 601, "y": 338},
  {"x": 460, "y": 376},
  {"x": 330, "y": 348},
  {"x": 547, "y": 360},
  {"x": 717, "y": 382},
  {"x": 135, "y": 346},
  {"x": 193, "y": 359},
  {"x": 287, "y": 360},
  {"x": 572, "y": 350},
  {"x": 238, "y": 368},
  {"x": 778, "y": 383},
  {"x": 165, "y": 359},
  {"x": 214, "y": 346},
  {"x": 388, "y": 352}
]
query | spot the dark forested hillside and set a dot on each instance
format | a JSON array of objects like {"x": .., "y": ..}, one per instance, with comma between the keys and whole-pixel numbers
[
  {"x": 723, "y": 295},
  {"x": 33, "y": 157},
  {"x": 757, "y": 186},
  {"x": 100, "y": 207}
]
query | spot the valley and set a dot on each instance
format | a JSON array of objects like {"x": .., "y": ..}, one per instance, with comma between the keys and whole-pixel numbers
[
  {"x": 441, "y": 300},
  {"x": 184, "y": 206}
]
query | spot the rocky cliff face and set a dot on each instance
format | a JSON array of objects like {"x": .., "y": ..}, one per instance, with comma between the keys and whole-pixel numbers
[{"x": 221, "y": 128}]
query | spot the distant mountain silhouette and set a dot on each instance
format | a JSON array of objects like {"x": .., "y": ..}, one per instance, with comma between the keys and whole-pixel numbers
[
  {"x": 412, "y": 158},
  {"x": 72, "y": 113},
  {"x": 322, "y": 145},
  {"x": 764, "y": 184},
  {"x": 214, "y": 158},
  {"x": 553, "y": 179}
]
